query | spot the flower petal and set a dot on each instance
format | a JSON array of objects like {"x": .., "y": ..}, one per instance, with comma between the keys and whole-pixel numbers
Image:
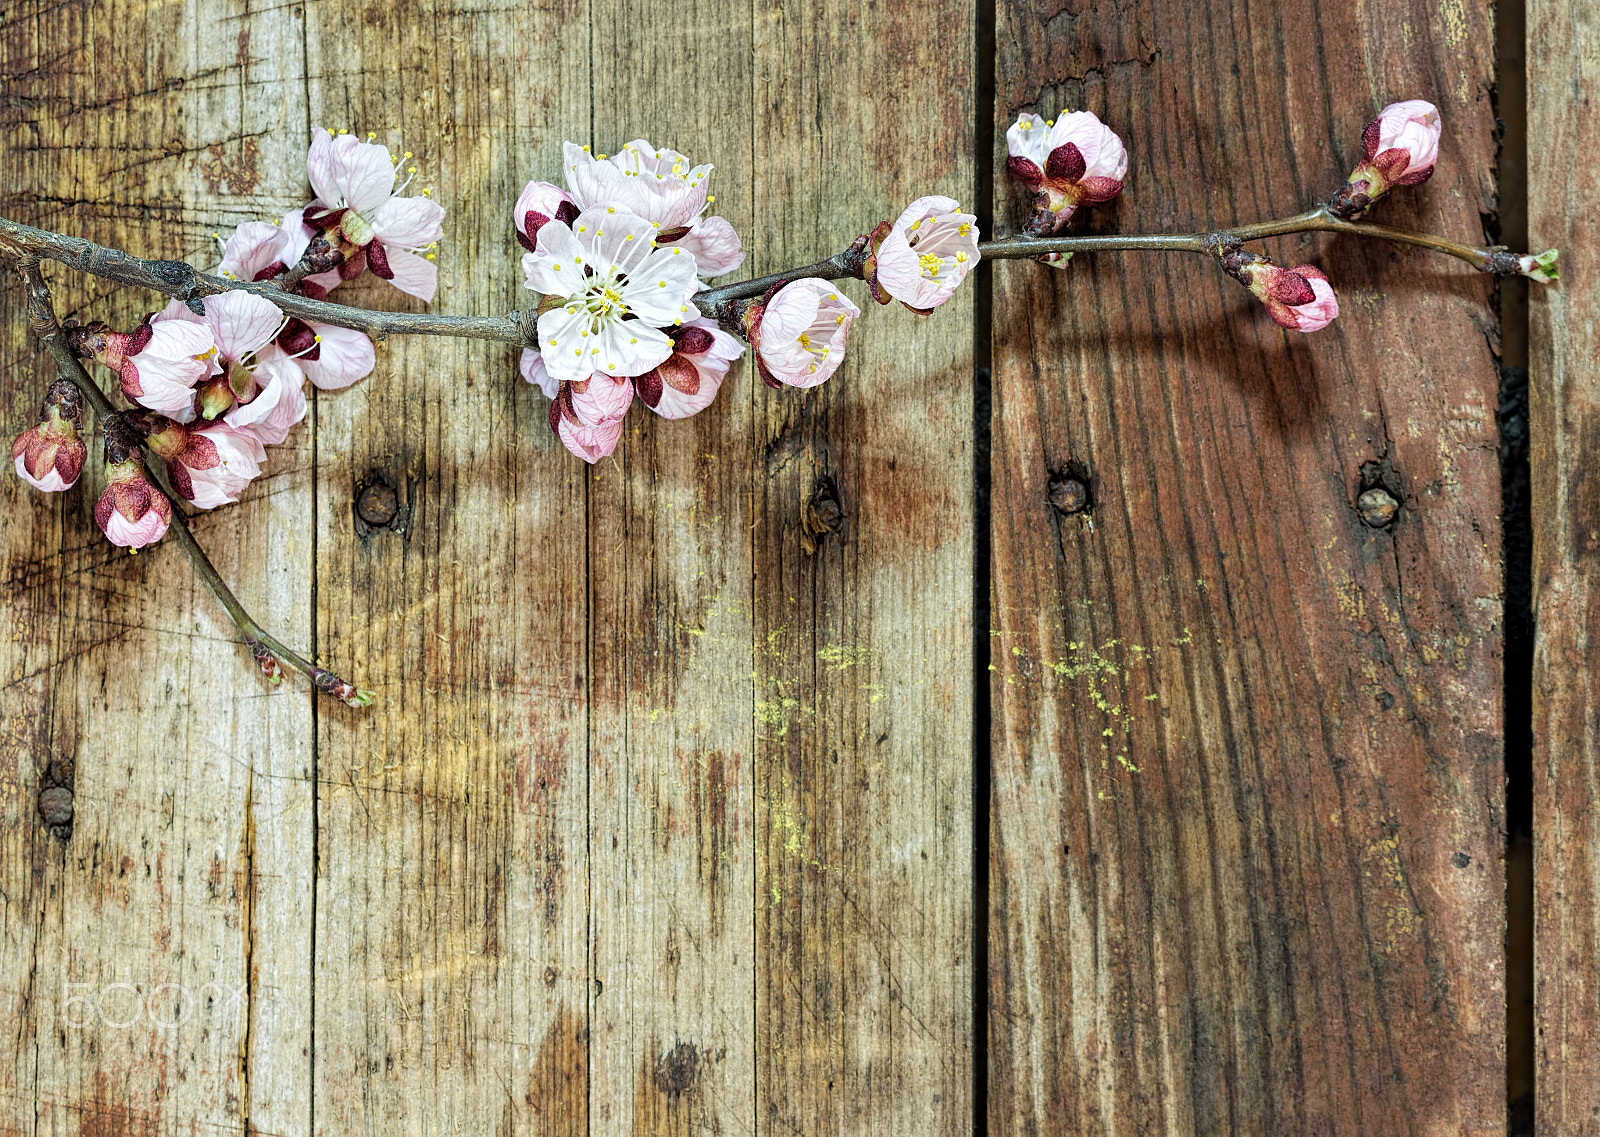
[
  {"x": 561, "y": 340},
  {"x": 557, "y": 268},
  {"x": 534, "y": 371},
  {"x": 662, "y": 289},
  {"x": 715, "y": 246},
  {"x": 252, "y": 247},
  {"x": 280, "y": 404},
  {"x": 411, "y": 274},
  {"x": 242, "y": 322},
  {"x": 409, "y": 222},
  {"x": 344, "y": 355},
  {"x": 350, "y": 172}
]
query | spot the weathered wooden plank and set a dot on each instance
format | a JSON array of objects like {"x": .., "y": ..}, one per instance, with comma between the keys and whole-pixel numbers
[
  {"x": 863, "y": 650},
  {"x": 150, "y": 127},
  {"x": 1246, "y": 860},
  {"x": 452, "y": 978},
  {"x": 1563, "y": 425},
  {"x": 671, "y": 702}
]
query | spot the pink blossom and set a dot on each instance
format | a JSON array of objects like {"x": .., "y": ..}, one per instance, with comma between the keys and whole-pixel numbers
[
  {"x": 663, "y": 187},
  {"x": 1299, "y": 298},
  {"x": 159, "y": 363},
  {"x": 541, "y": 202},
  {"x": 591, "y": 443},
  {"x": 209, "y": 465},
  {"x": 131, "y": 511},
  {"x": 925, "y": 255},
  {"x": 618, "y": 291},
  {"x": 799, "y": 334},
  {"x": 279, "y": 403},
  {"x": 256, "y": 250},
  {"x": 50, "y": 455},
  {"x": 332, "y": 357},
  {"x": 358, "y": 203},
  {"x": 687, "y": 382},
  {"x": 1067, "y": 162}
]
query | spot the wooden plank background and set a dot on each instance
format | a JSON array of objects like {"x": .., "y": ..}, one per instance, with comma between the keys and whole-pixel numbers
[
  {"x": 663, "y": 825},
  {"x": 660, "y": 824},
  {"x": 1563, "y": 427},
  {"x": 1245, "y": 861}
]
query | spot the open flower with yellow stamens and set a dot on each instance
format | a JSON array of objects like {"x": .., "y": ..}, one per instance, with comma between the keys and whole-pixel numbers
[
  {"x": 359, "y": 206},
  {"x": 925, "y": 255},
  {"x": 617, "y": 289},
  {"x": 799, "y": 332},
  {"x": 664, "y": 188}
]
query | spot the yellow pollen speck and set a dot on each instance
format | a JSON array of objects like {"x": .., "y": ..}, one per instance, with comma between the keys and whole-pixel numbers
[
  {"x": 408, "y": 154},
  {"x": 427, "y": 193},
  {"x": 1026, "y": 125},
  {"x": 663, "y": 284},
  {"x": 961, "y": 258},
  {"x": 1049, "y": 122},
  {"x": 316, "y": 339},
  {"x": 594, "y": 351},
  {"x": 711, "y": 199},
  {"x": 610, "y": 210},
  {"x": 411, "y": 169},
  {"x": 630, "y": 237},
  {"x": 805, "y": 340},
  {"x": 583, "y": 228},
  {"x": 577, "y": 351},
  {"x": 683, "y": 309},
  {"x": 370, "y": 136},
  {"x": 602, "y": 157},
  {"x": 429, "y": 257},
  {"x": 633, "y": 341},
  {"x": 556, "y": 267},
  {"x": 585, "y": 149},
  {"x": 552, "y": 343},
  {"x": 577, "y": 260},
  {"x": 833, "y": 296},
  {"x": 813, "y": 369},
  {"x": 839, "y": 319}
]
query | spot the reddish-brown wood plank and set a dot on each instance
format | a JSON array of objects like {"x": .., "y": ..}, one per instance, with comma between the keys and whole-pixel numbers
[
  {"x": 1563, "y": 431},
  {"x": 1246, "y": 860}
]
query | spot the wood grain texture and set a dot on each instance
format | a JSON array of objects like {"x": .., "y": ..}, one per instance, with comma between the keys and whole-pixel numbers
[
  {"x": 1563, "y": 430},
  {"x": 863, "y": 660},
  {"x": 672, "y": 704},
  {"x": 453, "y": 848},
  {"x": 1245, "y": 865},
  {"x": 183, "y": 895}
]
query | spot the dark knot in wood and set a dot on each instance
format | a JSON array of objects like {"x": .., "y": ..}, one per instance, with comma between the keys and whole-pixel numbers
[
  {"x": 1377, "y": 508},
  {"x": 378, "y": 504}
]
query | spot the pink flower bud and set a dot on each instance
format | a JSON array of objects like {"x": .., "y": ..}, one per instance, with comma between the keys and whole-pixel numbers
[
  {"x": 159, "y": 363},
  {"x": 799, "y": 332},
  {"x": 50, "y": 455},
  {"x": 925, "y": 256},
  {"x": 688, "y": 381},
  {"x": 1299, "y": 298},
  {"x": 210, "y": 465},
  {"x": 1067, "y": 162},
  {"x": 539, "y": 204},
  {"x": 1399, "y": 148},
  {"x": 131, "y": 511},
  {"x": 589, "y": 442}
]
